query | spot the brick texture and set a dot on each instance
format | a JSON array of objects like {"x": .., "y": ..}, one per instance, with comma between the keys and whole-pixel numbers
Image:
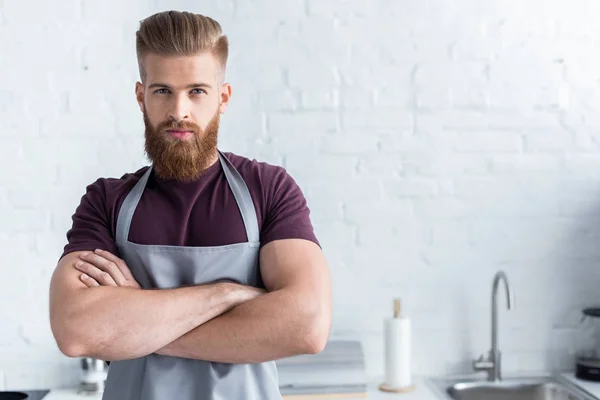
[{"x": 437, "y": 142}]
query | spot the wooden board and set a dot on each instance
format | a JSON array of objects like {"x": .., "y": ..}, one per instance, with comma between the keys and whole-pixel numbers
[{"x": 361, "y": 395}]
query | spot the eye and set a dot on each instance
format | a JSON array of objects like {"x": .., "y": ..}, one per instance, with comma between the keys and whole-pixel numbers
[
  {"x": 161, "y": 91},
  {"x": 198, "y": 91}
]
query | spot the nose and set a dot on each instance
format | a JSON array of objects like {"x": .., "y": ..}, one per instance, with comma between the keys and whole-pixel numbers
[{"x": 180, "y": 109}]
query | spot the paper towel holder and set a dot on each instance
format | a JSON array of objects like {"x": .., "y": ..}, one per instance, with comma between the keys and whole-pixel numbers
[
  {"x": 385, "y": 387},
  {"x": 397, "y": 308}
]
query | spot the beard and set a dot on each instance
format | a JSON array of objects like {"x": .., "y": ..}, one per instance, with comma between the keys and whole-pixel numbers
[{"x": 181, "y": 160}]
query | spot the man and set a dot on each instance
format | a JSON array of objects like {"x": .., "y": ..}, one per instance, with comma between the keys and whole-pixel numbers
[{"x": 193, "y": 275}]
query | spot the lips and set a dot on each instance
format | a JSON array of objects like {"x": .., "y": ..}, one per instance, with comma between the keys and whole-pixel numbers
[{"x": 180, "y": 134}]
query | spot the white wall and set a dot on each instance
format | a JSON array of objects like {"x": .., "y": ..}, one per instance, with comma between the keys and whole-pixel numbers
[{"x": 437, "y": 142}]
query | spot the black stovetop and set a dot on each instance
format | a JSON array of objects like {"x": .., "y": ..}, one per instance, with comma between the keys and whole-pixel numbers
[{"x": 32, "y": 394}]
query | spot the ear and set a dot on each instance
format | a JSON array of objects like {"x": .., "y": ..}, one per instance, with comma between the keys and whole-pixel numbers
[
  {"x": 225, "y": 96},
  {"x": 139, "y": 95}
]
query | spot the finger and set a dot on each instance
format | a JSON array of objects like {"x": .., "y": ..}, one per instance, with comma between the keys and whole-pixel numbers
[
  {"x": 106, "y": 266},
  {"x": 102, "y": 277},
  {"x": 117, "y": 261},
  {"x": 88, "y": 281}
]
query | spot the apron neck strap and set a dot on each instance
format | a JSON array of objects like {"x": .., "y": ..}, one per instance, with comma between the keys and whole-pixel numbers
[
  {"x": 128, "y": 207},
  {"x": 242, "y": 197}
]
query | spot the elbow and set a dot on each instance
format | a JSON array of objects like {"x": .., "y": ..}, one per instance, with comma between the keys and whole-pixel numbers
[
  {"x": 317, "y": 333},
  {"x": 67, "y": 341},
  {"x": 315, "y": 343},
  {"x": 70, "y": 348}
]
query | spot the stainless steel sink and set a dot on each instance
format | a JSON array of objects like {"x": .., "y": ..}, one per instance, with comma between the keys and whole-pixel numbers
[
  {"x": 495, "y": 386},
  {"x": 531, "y": 388}
]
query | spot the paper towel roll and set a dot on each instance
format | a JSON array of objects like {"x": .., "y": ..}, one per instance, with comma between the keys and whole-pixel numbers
[{"x": 398, "y": 352}]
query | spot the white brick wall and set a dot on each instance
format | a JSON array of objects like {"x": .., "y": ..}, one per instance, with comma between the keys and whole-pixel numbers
[{"x": 436, "y": 141}]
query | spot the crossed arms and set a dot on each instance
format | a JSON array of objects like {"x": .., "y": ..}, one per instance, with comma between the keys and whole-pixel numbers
[{"x": 108, "y": 316}]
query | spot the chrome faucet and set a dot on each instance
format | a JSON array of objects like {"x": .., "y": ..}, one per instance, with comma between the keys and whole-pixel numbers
[{"x": 493, "y": 364}]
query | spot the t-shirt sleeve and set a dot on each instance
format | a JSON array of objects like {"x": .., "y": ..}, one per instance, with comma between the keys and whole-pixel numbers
[
  {"x": 91, "y": 228},
  {"x": 288, "y": 214}
]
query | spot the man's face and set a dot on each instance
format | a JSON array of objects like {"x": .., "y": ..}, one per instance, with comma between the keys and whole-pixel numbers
[{"x": 182, "y": 100}]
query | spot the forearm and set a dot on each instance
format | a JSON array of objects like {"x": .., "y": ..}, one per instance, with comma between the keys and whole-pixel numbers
[
  {"x": 278, "y": 324},
  {"x": 114, "y": 323}
]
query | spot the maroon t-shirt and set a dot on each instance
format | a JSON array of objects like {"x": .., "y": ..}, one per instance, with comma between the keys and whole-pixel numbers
[{"x": 200, "y": 213}]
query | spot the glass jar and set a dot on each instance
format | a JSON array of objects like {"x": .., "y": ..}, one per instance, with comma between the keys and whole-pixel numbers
[{"x": 587, "y": 358}]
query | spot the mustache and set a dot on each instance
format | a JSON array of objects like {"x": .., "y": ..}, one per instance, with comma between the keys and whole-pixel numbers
[{"x": 182, "y": 125}]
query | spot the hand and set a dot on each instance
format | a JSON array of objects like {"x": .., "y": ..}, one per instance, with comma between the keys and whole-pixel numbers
[{"x": 102, "y": 268}]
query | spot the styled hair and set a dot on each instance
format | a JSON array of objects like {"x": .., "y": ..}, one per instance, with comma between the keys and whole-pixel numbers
[{"x": 180, "y": 33}]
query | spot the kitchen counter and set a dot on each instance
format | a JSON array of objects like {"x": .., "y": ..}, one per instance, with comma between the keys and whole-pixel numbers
[
  {"x": 592, "y": 388},
  {"x": 69, "y": 394},
  {"x": 421, "y": 392}
]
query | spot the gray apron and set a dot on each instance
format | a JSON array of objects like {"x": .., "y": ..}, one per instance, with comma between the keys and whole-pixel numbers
[{"x": 158, "y": 377}]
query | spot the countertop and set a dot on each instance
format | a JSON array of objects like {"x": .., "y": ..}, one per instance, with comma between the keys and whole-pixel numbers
[
  {"x": 592, "y": 388},
  {"x": 422, "y": 391}
]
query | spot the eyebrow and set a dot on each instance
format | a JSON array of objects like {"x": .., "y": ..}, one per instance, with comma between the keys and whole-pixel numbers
[{"x": 191, "y": 86}]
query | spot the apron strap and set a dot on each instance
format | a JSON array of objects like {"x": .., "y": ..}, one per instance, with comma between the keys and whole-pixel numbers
[
  {"x": 128, "y": 208},
  {"x": 242, "y": 196}
]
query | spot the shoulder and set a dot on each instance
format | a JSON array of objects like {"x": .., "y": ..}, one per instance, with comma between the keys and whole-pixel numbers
[
  {"x": 269, "y": 178},
  {"x": 285, "y": 211},
  {"x": 114, "y": 186},
  {"x": 271, "y": 184},
  {"x": 253, "y": 167},
  {"x": 94, "y": 218},
  {"x": 105, "y": 194}
]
